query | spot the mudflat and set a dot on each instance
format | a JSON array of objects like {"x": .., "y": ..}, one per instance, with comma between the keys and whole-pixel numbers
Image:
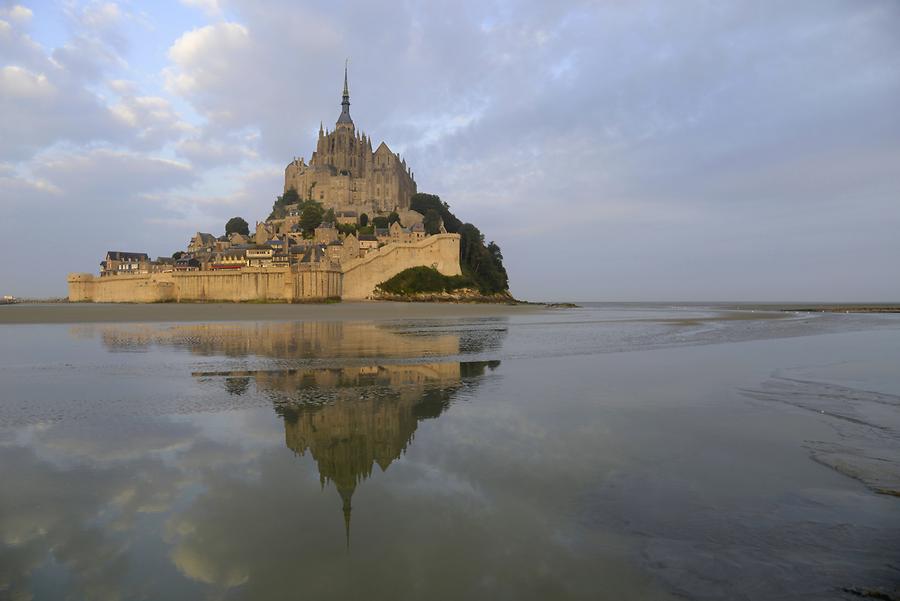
[
  {"x": 37, "y": 313},
  {"x": 649, "y": 452}
]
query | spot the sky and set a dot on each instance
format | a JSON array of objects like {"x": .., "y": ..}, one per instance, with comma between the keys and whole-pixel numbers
[{"x": 614, "y": 149}]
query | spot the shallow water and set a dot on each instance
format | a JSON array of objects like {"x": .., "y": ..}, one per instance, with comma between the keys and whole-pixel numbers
[{"x": 612, "y": 452}]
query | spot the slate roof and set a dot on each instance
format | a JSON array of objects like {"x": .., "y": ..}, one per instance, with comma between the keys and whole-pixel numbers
[
  {"x": 314, "y": 254},
  {"x": 206, "y": 238},
  {"x": 118, "y": 255}
]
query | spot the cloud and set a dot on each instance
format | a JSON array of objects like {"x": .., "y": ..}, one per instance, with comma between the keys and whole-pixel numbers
[
  {"x": 208, "y": 152},
  {"x": 593, "y": 123},
  {"x": 18, "y": 14},
  {"x": 92, "y": 201},
  {"x": 52, "y": 97}
]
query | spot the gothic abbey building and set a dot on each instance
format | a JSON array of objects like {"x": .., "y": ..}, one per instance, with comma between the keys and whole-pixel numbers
[{"x": 345, "y": 175}]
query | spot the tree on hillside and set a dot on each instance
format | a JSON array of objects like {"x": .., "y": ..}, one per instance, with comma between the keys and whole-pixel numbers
[
  {"x": 237, "y": 225},
  {"x": 380, "y": 222},
  {"x": 363, "y": 220},
  {"x": 484, "y": 262},
  {"x": 177, "y": 254},
  {"x": 346, "y": 228},
  {"x": 432, "y": 222},
  {"x": 329, "y": 216},
  {"x": 421, "y": 202},
  {"x": 311, "y": 213},
  {"x": 288, "y": 198},
  {"x": 393, "y": 218}
]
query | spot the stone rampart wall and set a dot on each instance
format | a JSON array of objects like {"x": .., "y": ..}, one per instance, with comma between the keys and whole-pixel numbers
[
  {"x": 361, "y": 276},
  {"x": 153, "y": 288},
  {"x": 275, "y": 284},
  {"x": 356, "y": 281}
]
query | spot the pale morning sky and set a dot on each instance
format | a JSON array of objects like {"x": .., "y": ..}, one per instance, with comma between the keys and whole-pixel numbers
[{"x": 616, "y": 150}]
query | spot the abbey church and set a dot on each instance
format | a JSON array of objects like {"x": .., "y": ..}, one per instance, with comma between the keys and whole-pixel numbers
[{"x": 344, "y": 173}]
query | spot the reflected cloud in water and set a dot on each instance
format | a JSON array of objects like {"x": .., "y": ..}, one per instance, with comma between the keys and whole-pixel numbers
[{"x": 110, "y": 502}]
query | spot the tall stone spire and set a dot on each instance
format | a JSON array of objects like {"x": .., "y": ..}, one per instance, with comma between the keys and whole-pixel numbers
[{"x": 345, "y": 102}]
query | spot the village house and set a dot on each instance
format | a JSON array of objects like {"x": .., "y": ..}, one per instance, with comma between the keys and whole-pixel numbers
[
  {"x": 260, "y": 256},
  {"x": 202, "y": 242},
  {"x": 124, "y": 263},
  {"x": 325, "y": 233},
  {"x": 238, "y": 239},
  {"x": 233, "y": 258},
  {"x": 349, "y": 248},
  {"x": 223, "y": 243},
  {"x": 281, "y": 258},
  {"x": 334, "y": 250},
  {"x": 187, "y": 263},
  {"x": 383, "y": 235},
  {"x": 162, "y": 265},
  {"x": 367, "y": 242},
  {"x": 265, "y": 230},
  {"x": 397, "y": 233},
  {"x": 416, "y": 232}
]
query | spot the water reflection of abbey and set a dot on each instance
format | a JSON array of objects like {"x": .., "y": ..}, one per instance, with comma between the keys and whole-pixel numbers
[
  {"x": 300, "y": 340},
  {"x": 370, "y": 415},
  {"x": 347, "y": 418}
]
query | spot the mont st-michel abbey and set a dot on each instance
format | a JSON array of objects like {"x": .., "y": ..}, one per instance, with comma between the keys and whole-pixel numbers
[
  {"x": 344, "y": 173},
  {"x": 365, "y": 232}
]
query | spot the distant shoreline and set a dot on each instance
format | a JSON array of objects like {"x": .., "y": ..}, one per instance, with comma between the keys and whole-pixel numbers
[
  {"x": 64, "y": 312},
  {"x": 844, "y": 309}
]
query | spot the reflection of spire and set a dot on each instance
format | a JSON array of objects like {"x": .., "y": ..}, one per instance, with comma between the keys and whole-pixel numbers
[
  {"x": 353, "y": 431},
  {"x": 346, "y": 495}
]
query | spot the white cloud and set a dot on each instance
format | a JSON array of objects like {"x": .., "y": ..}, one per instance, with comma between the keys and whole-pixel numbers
[
  {"x": 18, "y": 14},
  {"x": 212, "y": 8},
  {"x": 205, "y": 57},
  {"x": 21, "y": 83}
]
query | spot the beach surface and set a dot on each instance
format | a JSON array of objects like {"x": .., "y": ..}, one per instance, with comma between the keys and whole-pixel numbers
[
  {"x": 36, "y": 313},
  {"x": 440, "y": 451}
]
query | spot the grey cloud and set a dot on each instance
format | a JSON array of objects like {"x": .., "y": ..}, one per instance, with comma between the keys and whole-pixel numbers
[
  {"x": 91, "y": 202},
  {"x": 650, "y": 142},
  {"x": 205, "y": 151}
]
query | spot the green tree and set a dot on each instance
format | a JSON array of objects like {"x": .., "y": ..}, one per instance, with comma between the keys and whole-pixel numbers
[
  {"x": 311, "y": 214},
  {"x": 432, "y": 222},
  {"x": 485, "y": 263},
  {"x": 177, "y": 255},
  {"x": 237, "y": 225},
  {"x": 363, "y": 220},
  {"x": 329, "y": 216},
  {"x": 393, "y": 217},
  {"x": 380, "y": 222},
  {"x": 421, "y": 202},
  {"x": 288, "y": 198}
]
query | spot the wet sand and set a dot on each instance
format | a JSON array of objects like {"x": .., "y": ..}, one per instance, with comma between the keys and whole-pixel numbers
[
  {"x": 192, "y": 312},
  {"x": 381, "y": 450}
]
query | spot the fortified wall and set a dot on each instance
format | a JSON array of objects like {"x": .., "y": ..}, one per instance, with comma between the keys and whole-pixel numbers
[
  {"x": 356, "y": 280},
  {"x": 440, "y": 251}
]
